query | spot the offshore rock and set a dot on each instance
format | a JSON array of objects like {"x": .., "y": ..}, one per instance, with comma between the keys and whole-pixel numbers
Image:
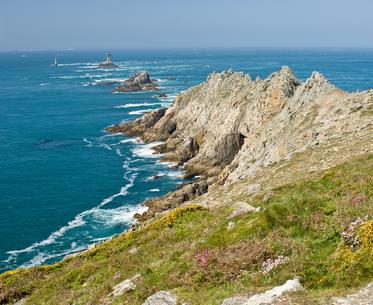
[{"x": 139, "y": 82}]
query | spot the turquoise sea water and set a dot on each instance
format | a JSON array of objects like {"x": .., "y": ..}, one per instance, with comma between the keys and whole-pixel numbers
[{"x": 64, "y": 182}]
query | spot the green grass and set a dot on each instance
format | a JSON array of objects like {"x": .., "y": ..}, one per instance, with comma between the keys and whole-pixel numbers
[{"x": 191, "y": 252}]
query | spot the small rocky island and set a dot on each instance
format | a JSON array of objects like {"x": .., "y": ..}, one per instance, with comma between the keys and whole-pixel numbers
[
  {"x": 141, "y": 81},
  {"x": 107, "y": 64}
]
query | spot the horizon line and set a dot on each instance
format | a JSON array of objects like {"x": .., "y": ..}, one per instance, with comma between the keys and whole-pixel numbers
[{"x": 217, "y": 48}]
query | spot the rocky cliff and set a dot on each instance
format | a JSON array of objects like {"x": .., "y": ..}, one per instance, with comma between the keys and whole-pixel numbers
[{"x": 232, "y": 128}]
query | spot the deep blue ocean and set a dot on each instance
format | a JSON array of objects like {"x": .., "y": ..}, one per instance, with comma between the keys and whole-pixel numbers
[{"x": 64, "y": 182}]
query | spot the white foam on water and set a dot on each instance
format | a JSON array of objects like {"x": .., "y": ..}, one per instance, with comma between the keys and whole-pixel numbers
[
  {"x": 167, "y": 163},
  {"x": 134, "y": 141},
  {"x": 45, "y": 84},
  {"x": 106, "y": 146},
  {"x": 146, "y": 150},
  {"x": 77, "y": 64},
  {"x": 105, "y": 81},
  {"x": 137, "y": 105},
  {"x": 118, "y": 152},
  {"x": 173, "y": 174},
  {"x": 170, "y": 98},
  {"x": 78, "y": 221},
  {"x": 87, "y": 75},
  {"x": 140, "y": 111},
  {"x": 121, "y": 215},
  {"x": 154, "y": 190},
  {"x": 157, "y": 176},
  {"x": 109, "y": 135},
  {"x": 89, "y": 143}
]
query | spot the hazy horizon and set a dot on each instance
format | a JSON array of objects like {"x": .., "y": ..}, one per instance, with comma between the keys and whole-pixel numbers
[{"x": 166, "y": 24}]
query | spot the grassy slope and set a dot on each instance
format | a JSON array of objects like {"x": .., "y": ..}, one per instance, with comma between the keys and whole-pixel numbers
[{"x": 191, "y": 252}]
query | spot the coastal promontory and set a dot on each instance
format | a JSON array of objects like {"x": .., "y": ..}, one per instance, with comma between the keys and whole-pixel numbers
[{"x": 277, "y": 207}]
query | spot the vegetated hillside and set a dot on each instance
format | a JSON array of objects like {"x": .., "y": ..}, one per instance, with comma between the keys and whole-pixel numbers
[{"x": 319, "y": 229}]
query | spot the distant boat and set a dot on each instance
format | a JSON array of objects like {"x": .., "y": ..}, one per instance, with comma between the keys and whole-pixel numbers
[{"x": 108, "y": 64}]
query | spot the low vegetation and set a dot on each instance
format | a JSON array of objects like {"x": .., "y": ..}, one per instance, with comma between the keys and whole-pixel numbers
[{"x": 319, "y": 229}]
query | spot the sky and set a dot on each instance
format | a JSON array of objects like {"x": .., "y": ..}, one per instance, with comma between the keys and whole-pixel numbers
[{"x": 151, "y": 24}]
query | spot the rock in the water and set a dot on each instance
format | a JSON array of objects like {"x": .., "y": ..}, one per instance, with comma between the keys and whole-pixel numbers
[
  {"x": 139, "y": 82},
  {"x": 125, "y": 286},
  {"x": 162, "y": 95},
  {"x": 108, "y": 64},
  {"x": 267, "y": 297},
  {"x": 161, "y": 298}
]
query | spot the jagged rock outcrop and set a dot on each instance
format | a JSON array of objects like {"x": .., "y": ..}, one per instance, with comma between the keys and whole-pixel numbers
[
  {"x": 139, "y": 82},
  {"x": 233, "y": 128},
  {"x": 173, "y": 199}
]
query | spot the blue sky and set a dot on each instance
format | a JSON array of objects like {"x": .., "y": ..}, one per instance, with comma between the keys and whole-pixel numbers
[{"x": 111, "y": 24}]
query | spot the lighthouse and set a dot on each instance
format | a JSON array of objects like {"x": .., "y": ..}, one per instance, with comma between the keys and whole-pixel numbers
[
  {"x": 108, "y": 64},
  {"x": 108, "y": 59}
]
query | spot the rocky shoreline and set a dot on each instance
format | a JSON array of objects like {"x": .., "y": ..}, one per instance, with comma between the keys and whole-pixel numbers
[{"x": 232, "y": 128}]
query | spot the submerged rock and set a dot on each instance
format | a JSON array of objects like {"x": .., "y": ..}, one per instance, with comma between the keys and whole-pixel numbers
[
  {"x": 161, "y": 298},
  {"x": 139, "y": 82}
]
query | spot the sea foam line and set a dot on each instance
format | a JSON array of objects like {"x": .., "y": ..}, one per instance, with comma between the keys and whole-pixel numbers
[
  {"x": 76, "y": 222},
  {"x": 140, "y": 111},
  {"x": 146, "y": 150},
  {"x": 137, "y": 105}
]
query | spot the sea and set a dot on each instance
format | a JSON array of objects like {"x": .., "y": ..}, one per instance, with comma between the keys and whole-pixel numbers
[{"x": 64, "y": 182}]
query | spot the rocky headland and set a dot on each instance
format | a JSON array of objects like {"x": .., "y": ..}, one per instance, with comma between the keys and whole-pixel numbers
[
  {"x": 232, "y": 128},
  {"x": 279, "y": 211},
  {"x": 141, "y": 81}
]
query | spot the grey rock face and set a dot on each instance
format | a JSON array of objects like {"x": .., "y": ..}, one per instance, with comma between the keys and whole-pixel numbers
[
  {"x": 233, "y": 128},
  {"x": 161, "y": 298}
]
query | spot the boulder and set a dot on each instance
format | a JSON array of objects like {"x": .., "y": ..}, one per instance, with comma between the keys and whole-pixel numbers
[
  {"x": 241, "y": 207},
  {"x": 161, "y": 298},
  {"x": 125, "y": 286},
  {"x": 268, "y": 297}
]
